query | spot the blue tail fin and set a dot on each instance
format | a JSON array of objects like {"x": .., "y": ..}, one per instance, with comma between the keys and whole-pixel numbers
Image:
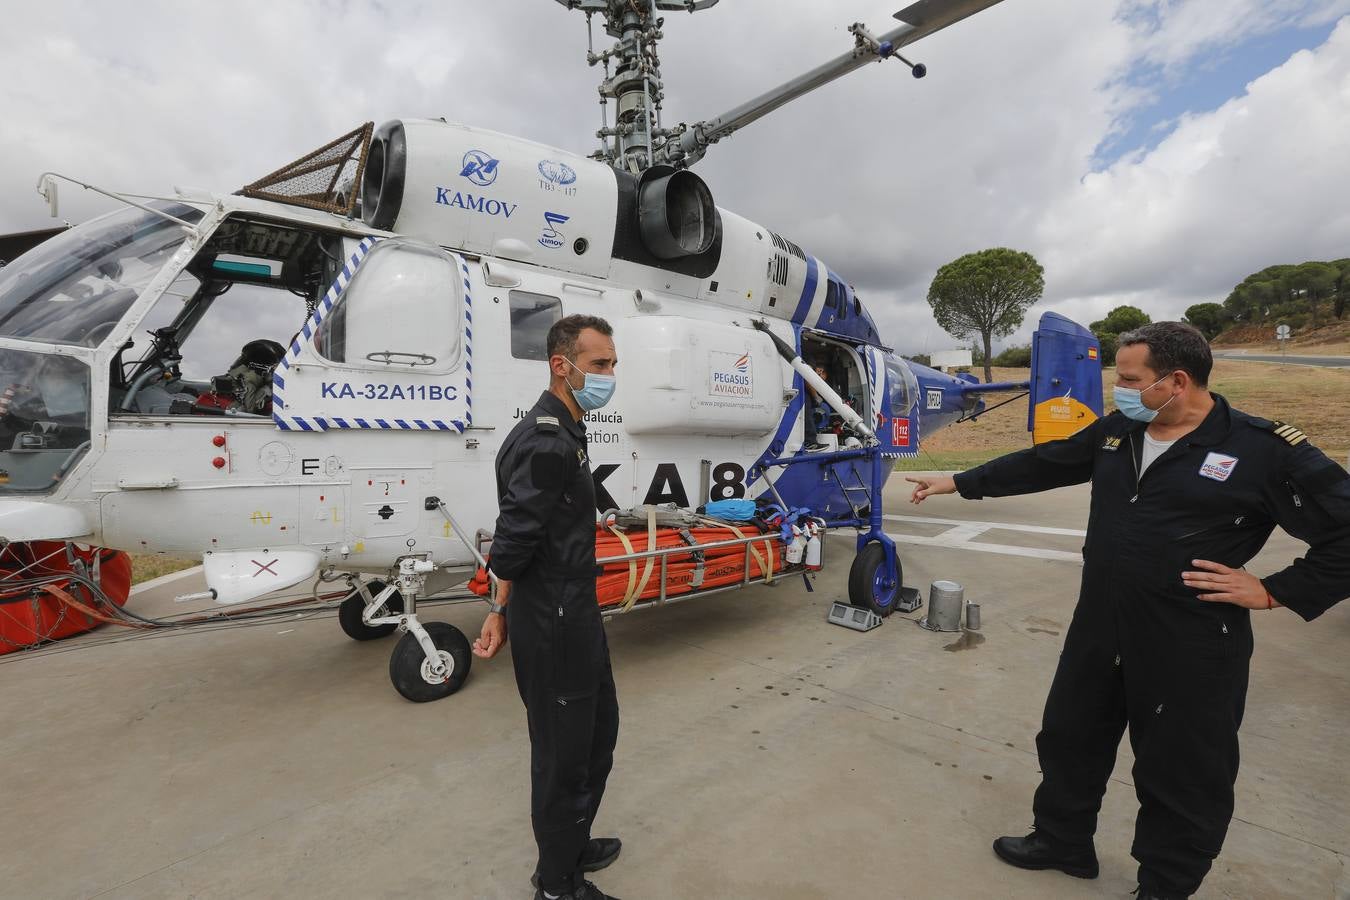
[{"x": 1066, "y": 379}]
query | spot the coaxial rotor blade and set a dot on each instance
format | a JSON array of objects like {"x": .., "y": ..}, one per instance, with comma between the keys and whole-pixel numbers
[{"x": 929, "y": 16}]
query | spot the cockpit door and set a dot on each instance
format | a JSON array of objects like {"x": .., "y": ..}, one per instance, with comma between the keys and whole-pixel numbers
[{"x": 388, "y": 348}]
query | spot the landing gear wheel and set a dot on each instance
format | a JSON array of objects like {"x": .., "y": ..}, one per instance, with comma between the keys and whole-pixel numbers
[
  {"x": 867, "y": 584},
  {"x": 410, "y": 670},
  {"x": 349, "y": 614}
]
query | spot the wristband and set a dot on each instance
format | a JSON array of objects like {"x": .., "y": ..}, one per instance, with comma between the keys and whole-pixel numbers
[{"x": 498, "y": 608}]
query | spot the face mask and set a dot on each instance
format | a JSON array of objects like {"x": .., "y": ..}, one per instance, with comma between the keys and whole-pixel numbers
[
  {"x": 1130, "y": 402},
  {"x": 596, "y": 392}
]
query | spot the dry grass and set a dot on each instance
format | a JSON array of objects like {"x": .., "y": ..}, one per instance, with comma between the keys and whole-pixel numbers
[
  {"x": 145, "y": 567},
  {"x": 1315, "y": 400}
]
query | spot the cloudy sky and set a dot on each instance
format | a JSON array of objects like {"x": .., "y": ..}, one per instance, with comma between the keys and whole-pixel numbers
[{"x": 1151, "y": 152}]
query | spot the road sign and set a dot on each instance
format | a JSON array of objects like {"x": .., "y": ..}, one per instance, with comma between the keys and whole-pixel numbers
[{"x": 1282, "y": 333}]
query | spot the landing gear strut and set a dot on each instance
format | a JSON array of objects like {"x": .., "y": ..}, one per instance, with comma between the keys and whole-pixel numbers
[{"x": 430, "y": 661}]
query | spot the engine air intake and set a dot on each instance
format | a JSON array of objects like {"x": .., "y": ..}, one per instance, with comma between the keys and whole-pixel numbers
[
  {"x": 676, "y": 214},
  {"x": 383, "y": 181}
]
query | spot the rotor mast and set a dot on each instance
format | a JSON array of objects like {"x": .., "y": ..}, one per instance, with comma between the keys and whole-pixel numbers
[{"x": 635, "y": 85}]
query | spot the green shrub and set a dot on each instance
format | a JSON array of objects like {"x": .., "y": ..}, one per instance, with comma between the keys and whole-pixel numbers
[{"x": 1014, "y": 358}]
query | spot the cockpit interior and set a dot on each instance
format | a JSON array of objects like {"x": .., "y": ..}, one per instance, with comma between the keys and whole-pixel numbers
[{"x": 211, "y": 343}]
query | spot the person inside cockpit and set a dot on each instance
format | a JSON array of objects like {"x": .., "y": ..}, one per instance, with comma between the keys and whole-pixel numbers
[{"x": 247, "y": 386}]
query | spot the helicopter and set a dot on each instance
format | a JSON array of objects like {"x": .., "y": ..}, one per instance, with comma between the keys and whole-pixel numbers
[{"x": 336, "y": 352}]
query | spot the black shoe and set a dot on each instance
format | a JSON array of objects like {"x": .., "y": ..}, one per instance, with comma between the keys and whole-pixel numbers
[
  {"x": 1040, "y": 851},
  {"x": 586, "y": 891},
  {"x": 814, "y": 447},
  {"x": 599, "y": 853},
  {"x": 1148, "y": 893}
]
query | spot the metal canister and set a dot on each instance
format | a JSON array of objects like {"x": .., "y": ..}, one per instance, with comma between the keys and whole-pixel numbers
[
  {"x": 944, "y": 607},
  {"x": 972, "y": 616}
]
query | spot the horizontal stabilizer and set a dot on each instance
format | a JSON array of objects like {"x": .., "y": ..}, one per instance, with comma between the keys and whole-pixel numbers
[{"x": 1066, "y": 379}]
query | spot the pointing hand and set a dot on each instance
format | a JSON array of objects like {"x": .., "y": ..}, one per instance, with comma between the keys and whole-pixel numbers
[{"x": 928, "y": 487}]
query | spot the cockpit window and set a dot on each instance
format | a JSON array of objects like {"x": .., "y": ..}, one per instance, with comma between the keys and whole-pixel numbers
[
  {"x": 402, "y": 310},
  {"x": 904, "y": 386},
  {"x": 44, "y": 418},
  {"x": 75, "y": 287}
]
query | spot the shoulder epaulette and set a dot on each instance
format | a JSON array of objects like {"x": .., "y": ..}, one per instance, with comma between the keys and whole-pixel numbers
[
  {"x": 547, "y": 424},
  {"x": 1287, "y": 433}
]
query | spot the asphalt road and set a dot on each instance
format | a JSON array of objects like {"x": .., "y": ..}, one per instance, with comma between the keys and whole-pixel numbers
[{"x": 1335, "y": 362}]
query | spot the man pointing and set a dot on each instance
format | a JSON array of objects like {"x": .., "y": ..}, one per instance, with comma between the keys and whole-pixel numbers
[{"x": 1185, "y": 490}]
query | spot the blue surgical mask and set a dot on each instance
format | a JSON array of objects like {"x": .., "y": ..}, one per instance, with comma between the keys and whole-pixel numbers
[
  {"x": 1131, "y": 402},
  {"x": 596, "y": 392}
]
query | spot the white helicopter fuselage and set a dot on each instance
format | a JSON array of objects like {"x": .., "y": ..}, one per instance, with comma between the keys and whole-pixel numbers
[{"x": 450, "y": 306}]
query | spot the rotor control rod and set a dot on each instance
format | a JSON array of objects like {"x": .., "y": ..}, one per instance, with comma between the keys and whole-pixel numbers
[
  {"x": 818, "y": 384},
  {"x": 917, "y": 21}
]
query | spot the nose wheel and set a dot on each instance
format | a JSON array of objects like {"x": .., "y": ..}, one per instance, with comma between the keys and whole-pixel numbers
[
  {"x": 422, "y": 677},
  {"x": 432, "y": 659}
]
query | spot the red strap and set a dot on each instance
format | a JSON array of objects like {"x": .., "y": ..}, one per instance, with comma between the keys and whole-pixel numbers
[{"x": 88, "y": 611}]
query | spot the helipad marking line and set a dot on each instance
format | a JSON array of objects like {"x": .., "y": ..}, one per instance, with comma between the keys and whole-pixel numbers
[
  {"x": 962, "y": 533},
  {"x": 1007, "y": 526},
  {"x": 978, "y": 546},
  {"x": 959, "y": 536}
]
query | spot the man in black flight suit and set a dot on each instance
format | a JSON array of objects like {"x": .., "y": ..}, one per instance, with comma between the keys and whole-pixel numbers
[
  {"x": 543, "y": 554},
  {"x": 1185, "y": 490}
]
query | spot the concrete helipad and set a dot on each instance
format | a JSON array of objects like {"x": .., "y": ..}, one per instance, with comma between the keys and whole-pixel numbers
[{"x": 763, "y": 753}]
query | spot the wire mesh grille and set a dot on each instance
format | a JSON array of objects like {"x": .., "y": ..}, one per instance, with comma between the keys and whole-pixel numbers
[{"x": 328, "y": 179}]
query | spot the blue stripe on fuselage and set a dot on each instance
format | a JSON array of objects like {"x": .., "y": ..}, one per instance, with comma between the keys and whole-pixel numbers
[{"x": 808, "y": 292}]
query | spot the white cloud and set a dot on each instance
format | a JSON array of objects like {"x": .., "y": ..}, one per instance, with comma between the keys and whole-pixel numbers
[
  {"x": 1172, "y": 33},
  {"x": 885, "y": 177},
  {"x": 1250, "y": 184}
]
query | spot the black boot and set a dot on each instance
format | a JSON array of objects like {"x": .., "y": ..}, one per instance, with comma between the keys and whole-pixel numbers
[
  {"x": 1148, "y": 893},
  {"x": 599, "y": 853},
  {"x": 586, "y": 891},
  {"x": 1040, "y": 851}
]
